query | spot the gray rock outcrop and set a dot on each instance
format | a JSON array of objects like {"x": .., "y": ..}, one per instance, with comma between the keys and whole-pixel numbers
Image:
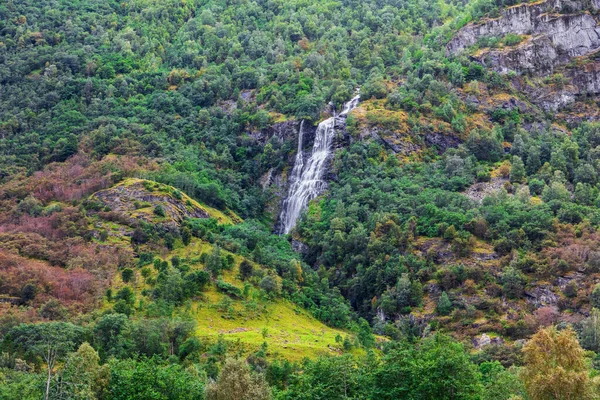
[
  {"x": 556, "y": 34},
  {"x": 574, "y": 33},
  {"x": 555, "y": 40}
]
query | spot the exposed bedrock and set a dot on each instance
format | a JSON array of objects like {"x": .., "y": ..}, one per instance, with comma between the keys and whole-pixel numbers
[{"x": 560, "y": 37}]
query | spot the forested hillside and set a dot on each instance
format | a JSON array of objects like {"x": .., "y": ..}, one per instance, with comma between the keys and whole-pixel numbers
[{"x": 447, "y": 245}]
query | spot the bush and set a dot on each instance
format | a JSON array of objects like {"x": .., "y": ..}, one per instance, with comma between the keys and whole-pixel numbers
[
  {"x": 571, "y": 289},
  {"x": 127, "y": 274},
  {"x": 186, "y": 235},
  {"x": 122, "y": 307},
  {"x": 595, "y": 297},
  {"x": 269, "y": 285},
  {"x": 246, "y": 270},
  {"x": 517, "y": 171},
  {"x": 375, "y": 87},
  {"x": 196, "y": 281},
  {"x": 536, "y": 186},
  {"x": 159, "y": 210},
  {"x": 483, "y": 176},
  {"x": 512, "y": 283},
  {"x": 511, "y": 39},
  {"x": 229, "y": 289},
  {"x": 54, "y": 310},
  {"x": 444, "y": 305},
  {"x": 126, "y": 294}
]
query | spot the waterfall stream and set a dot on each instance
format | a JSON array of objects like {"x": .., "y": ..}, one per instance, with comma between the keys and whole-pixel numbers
[{"x": 306, "y": 180}]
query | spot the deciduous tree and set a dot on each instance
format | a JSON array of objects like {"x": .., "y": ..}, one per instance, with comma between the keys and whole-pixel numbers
[{"x": 555, "y": 366}]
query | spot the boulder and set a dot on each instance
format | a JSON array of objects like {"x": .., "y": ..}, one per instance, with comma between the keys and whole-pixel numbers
[
  {"x": 481, "y": 341},
  {"x": 542, "y": 296}
]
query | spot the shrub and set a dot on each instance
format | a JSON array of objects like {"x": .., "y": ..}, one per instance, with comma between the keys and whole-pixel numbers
[
  {"x": 159, "y": 210},
  {"x": 512, "y": 283},
  {"x": 126, "y": 294},
  {"x": 196, "y": 281},
  {"x": 229, "y": 289},
  {"x": 246, "y": 270},
  {"x": 595, "y": 297},
  {"x": 269, "y": 285},
  {"x": 122, "y": 307},
  {"x": 127, "y": 274},
  {"x": 444, "y": 305},
  {"x": 571, "y": 289},
  {"x": 512, "y": 39}
]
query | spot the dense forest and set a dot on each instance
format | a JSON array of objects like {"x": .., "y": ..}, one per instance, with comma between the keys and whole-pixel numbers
[{"x": 146, "y": 152}]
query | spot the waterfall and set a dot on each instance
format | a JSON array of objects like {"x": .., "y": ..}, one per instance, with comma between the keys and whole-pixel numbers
[{"x": 306, "y": 181}]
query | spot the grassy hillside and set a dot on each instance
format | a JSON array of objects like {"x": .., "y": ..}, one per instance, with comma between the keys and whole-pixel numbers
[
  {"x": 147, "y": 195},
  {"x": 246, "y": 322},
  {"x": 289, "y": 331}
]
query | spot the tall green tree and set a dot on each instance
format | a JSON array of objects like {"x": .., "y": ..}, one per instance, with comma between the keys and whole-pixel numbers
[
  {"x": 51, "y": 341},
  {"x": 82, "y": 376},
  {"x": 439, "y": 368}
]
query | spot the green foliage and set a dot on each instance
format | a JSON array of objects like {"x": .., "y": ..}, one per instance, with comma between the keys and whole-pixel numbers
[
  {"x": 156, "y": 89},
  {"x": 229, "y": 289},
  {"x": 269, "y": 285},
  {"x": 589, "y": 335},
  {"x": 126, "y": 294},
  {"x": 195, "y": 282},
  {"x": 246, "y": 270},
  {"x": 49, "y": 341},
  {"x": 365, "y": 334},
  {"x": 501, "y": 383},
  {"x": 23, "y": 385},
  {"x": 403, "y": 296},
  {"x": 330, "y": 378},
  {"x": 82, "y": 376},
  {"x": 159, "y": 210},
  {"x": 189, "y": 90},
  {"x": 374, "y": 88},
  {"x": 440, "y": 369},
  {"x": 127, "y": 274},
  {"x": 456, "y": 74},
  {"x": 170, "y": 286},
  {"x": 595, "y": 297},
  {"x": 109, "y": 331},
  {"x": 186, "y": 235},
  {"x": 517, "y": 170},
  {"x": 484, "y": 146},
  {"x": 512, "y": 283},
  {"x": 444, "y": 305},
  {"x": 151, "y": 379},
  {"x": 511, "y": 39},
  {"x": 215, "y": 263}
]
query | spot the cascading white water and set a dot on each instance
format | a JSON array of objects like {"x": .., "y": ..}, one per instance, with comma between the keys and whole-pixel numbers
[{"x": 306, "y": 181}]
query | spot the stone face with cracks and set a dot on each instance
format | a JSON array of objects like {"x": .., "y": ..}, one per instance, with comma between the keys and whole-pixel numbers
[
  {"x": 553, "y": 39},
  {"x": 555, "y": 42},
  {"x": 557, "y": 33}
]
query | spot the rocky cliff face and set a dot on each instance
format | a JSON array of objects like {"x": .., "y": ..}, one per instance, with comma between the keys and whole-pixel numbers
[
  {"x": 565, "y": 24},
  {"x": 557, "y": 33},
  {"x": 282, "y": 131},
  {"x": 555, "y": 40}
]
